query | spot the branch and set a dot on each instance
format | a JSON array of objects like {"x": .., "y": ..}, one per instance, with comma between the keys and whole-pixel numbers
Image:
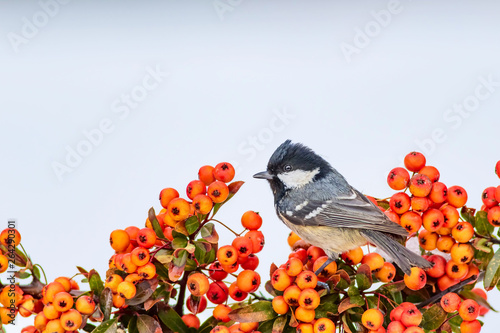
[
  {"x": 451, "y": 289},
  {"x": 179, "y": 307}
]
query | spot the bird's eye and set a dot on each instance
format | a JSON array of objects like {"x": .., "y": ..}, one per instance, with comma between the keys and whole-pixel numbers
[{"x": 287, "y": 168}]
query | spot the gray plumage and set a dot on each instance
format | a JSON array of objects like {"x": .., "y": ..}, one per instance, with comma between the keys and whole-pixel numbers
[{"x": 316, "y": 202}]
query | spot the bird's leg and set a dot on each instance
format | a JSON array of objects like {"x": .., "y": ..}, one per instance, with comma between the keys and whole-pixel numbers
[{"x": 320, "y": 270}]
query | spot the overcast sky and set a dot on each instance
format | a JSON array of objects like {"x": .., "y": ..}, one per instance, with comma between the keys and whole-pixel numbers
[{"x": 103, "y": 104}]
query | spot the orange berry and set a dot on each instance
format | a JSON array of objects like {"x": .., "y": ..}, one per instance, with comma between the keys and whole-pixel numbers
[
  {"x": 457, "y": 196},
  {"x": 85, "y": 305},
  {"x": 236, "y": 293},
  {"x": 395, "y": 326},
  {"x": 450, "y": 302},
  {"x": 324, "y": 325},
  {"x": 497, "y": 193},
  {"x": 29, "y": 329},
  {"x": 416, "y": 280},
  {"x": 205, "y": 174},
  {"x": 291, "y": 295},
  {"x": 167, "y": 195},
  {"x": 224, "y": 172},
  {"x": 227, "y": 255},
  {"x": 4, "y": 263},
  {"x": 328, "y": 271},
  {"x": 353, "y": 257},
  {"x": 196, "y": 304},
  {"x": 428, "y": 240},
  {"x": 279, "y": 305},
  {"x": 473, "y": 270},
  {"x": 113, "y": 281},
  {"x": 293, "y": 266},
  {"x": 451, "y": 216},
  {"x": 392, "y": 216},
  {"x": 414, "y": 161},
  {"x": 49, "y": 291},
  {"x": 445, "y": 243},
  {"x": 248, "y": 281},
  {"x": 314, "y": 252},
  {"x": 198, "y": 284},
  {"x": 280, "y": 280},
  {"x": 400, "y": 202},
  {"x": 65, "y": 282},
  {"x": 411, "y": 316},
  {"x": 473, "y": 326},
  {"x": 132, "y": 233},
  {"x": 292, "y": 239},
  {"x": 309, "y": 299},
  {"x": 462, "y": 232},
  {"x": 300, "y": 254},
  {"x": 126, "y": 290},
  {"x": 420, "y": 185},
  {"x": 218, "y": 191},
  {"x": 432, "y": 219},
  {"x": 419, "y": 204},
  {"x": 243, "y": 246},
  {"x": 430, "y": 172},
  {"x": 456, "y": 271},
  {"x": 146, "y": 238},
  {"x": 50, "y": 311},
  {"x": 306, "y": 279},
  {"x": 134, "y": 278},
  {"x": 251, "y": 220},
  {"x": 55, "y": 326},
  {"x": 257, "y": 238},
  {"x": 398, "y": 179},
  {"x": 127, "y": 265},
  {"x": 372, "y": 319},
  {"x": 411, "y": 221},
  {"x": 191, "y": 320},
  {"x": 249, "y": 327},
  {"x": 444, "y": 282},
  {"x": 438, "y": 193},
  {"x": 373, "y": 260},
  {"x": 140, "y": 256},
  {"x": 488, "y": 197},
  {"x": 304, "y": 315},
  {"x": 494, "y": 216},
  {"x": 217, "y": 292},
  {"x": 40, "y": 321},
  {"x": 71, "y": 320},
  {"x": 220, "y": 329},
  {"x": 221, "y": 312},
  {"x": 147, "y": 271},
  {"x": 194, "y": 188},
  {"x": 63, "y": 301},
  {"x": 119, "y": 240},
  {"x": 178, "y": 209},
  {"x": 10, "y": 236},
  {"x": 462, "y": 253},
  {"x": 468, "y": 310},
  {"x": 27, "y": 307},
  {"x": 118, "y": 301},
  {"x": 386, "y": 273},
  {"x": 202, "y": 204},
  {"x": 216, "y": 272},
  {"x": 304, "y": 328}
]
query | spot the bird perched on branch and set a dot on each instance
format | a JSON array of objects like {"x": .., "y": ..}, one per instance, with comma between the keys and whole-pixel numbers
[{"x": 316, "y": 202}]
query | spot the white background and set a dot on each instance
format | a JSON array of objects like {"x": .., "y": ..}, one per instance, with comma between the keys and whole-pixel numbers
[{"x": 361, "y": 83}]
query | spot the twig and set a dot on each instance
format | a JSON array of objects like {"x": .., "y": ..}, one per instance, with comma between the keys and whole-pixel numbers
[
  {"x": 179, "y": 307},
  {"x": 451, "y": 289}
]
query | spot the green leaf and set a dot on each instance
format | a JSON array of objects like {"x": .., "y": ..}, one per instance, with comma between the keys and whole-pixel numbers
[
  {"x": 164, "y": 256},
  {"x": 363, "y": 282},
  {"x": 36, "y": 272},
  {"x": 256, "y": 312},
  {"x": 483, "y": 227},
  {"x": 279, "y": 324},
  {"x": 348, "y": 303},
  {"x": 192, "y": 224},
  {"x": 155, "y": 223},
  {"x": 208, "y": 324},
  {"x": 352, "y": 291},
  {"x": 433, "y": 317},
  {"x": 191, "y": 265},
  {"x": 483, "y": 259},
  {"x": 393, "y": 287},
  {"x": 492, "y": 275},
  {"x": 468, "y": 215},
  {"x": 209, "y": 234},
  {"x": 147, "y": 324},
  {"x": 267, "y": 326},
  {"x": 481, "y": 301},
  {"x": 132, "y": 325},
  {"x": 179, "y": 243},
  {"x": 181, "y": 258},
  {"x": 109, "y": 326},
  {"x": 88, "y": 327},
  {"x": 200, "y": 251},
  {"x": 144, "y": 290},
  {"x": 161, "y": 270},
  {"x": 172, "y": 320},
  {"x": 327, "y": 306},
  {"x": 95, "y": 282}
]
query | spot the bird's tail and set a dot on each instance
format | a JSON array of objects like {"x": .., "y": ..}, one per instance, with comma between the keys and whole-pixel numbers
[{"x": 403, "y": 257}]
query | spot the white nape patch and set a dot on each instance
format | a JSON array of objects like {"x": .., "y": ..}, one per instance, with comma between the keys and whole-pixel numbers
[
  {"x": 297, "y": 178},
  {"x": 302, "y": 205},
  {"x": 317, "y": 210}
]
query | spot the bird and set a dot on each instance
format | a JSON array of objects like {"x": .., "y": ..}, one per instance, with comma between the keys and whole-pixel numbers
[{"x": 316, "y": 202}]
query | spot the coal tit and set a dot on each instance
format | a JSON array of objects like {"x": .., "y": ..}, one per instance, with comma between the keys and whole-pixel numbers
[{"x": 316, "y": 202}]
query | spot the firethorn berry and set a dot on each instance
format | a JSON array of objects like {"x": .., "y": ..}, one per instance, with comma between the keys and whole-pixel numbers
[
  {"x": 462, "y": 232},
  {"x": 420, "y": 185},
  {"x": 314, "y": 252},
  {"x": 113, "y": 281},
  {"x": 218, "y": 191},
  {"x": 236, "y": 293},
  {"x": 40, "y": 321},
  {"x": 50, "y": 311},
  {"x": 428, "y": 240},
  {"x": 191, "y": 320},
  {"x": 392, "y": 216},
  {"x": 224, "y": 172},
  {"x": 280, "y": 280},
  {"x": 248, "y": 281},
  {"x": 430, "y": 172},
  {"x": 27, "y": 306},
  {"x": 132, "y": 233},
  {"x": 220, "y": 329},
  {"x": 324, "y": 325},
  {"x": 140, "y": 256},
  {"x": 419, "y": 204},
  {"x": 304, "y": 328},
  {"x": 386, "y": 273},
  {"x": 279, "y": 305},
  {"x": 194, "y": 188},
  {"x": 168, "y": 221},
  {"x": 127, "y": 265},
  {"x": 227, "y": 255},
  {"x": 85, "y": 305},
  {"x": 304, "y": 315},
  {"x": 451, "y": 216},
  {"x": 221, "y": 312},
  {"x": 445, "y": 243},
  {"x": 414, "y": 161},
  {"x": 373, "y": 260},
  {"x": 178, "y": 209},
  {"x": 55, "y": 326},
  {"x": 411, "y": 221},
  {"x": 438, "y": 193},
  {"x": 134, "y": 278},
  {"x": 395, "y": 326},
  {"x": 249, "y": 327},
  {"x": 494, "y": 216},
  {"x": 444, "y": 282},
  {"x": 309, "y": 299},
  {"x": 216, "y": 272},
  {"x": 398, "y": 179},
  {"x": 71, "y": 320},
  {"x": 457, "y": 196},
  {"x": 29, "y": 329},
  {"x": 65, "y": 282},
  {"x": 196, "y": 304},
  {"x": 147, "y": 271},
  {"x": 497, "y": 193},
  {"x": 462, "y": 253},
  {"x": 291, "y": 295},
  {"x": 205, "y": 174},
  {"x": 432, "y": 219},
  {"x": 473, "y": 270},
  {"x": 372, "y": 319},
  {"x": 198, "y": 284},
  {"x": 243, "y": 246},
  {"x": 119, "y": 240},
  {"x": 488, "y": 197},
  {"x": 146, "y": 238},
  {"x": 217, "y": 292},
  {"x": 4, "y": 263},
  {"x": 166, "y": 195},
  {"x": 468, "y": 310},
  {"x": 251, "y": 262},
  {"x": 293, "y": 266},
  {"x": 252, "y": 220},
  {"x": 292, "y": 239},
  {"x": 257, "y": 238},
  {"x": 416, "y": 280},
  {"x": 63, "y": 301},
  {"x": 328, "y": 271},
  {"x": 49, "y": 291},
  {"x": 444, "y": 231},
  {"x": 118, "y": 301},
  {"x": 400, "y": 202},
  {"x": 473, "y": 326},
  {"x": 353, "y": 257},
  {"x": 411, "y": 317},
  {"x": 202, "y": 204},
  {"x": 10, "y": 237},
  {"x": 450, "y": 302},
  {"x": 299, "y": 253},
  {"x": 231, "y": 268},
  {"x": 414, "y": 329},
  {"x": 306, "y": 279},
  {"x": 126, "y": 290},
  {"x": 456, "y": 271}
]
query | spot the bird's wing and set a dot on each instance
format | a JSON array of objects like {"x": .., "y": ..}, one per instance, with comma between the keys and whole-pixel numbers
[{"x": 354, "y": 211}]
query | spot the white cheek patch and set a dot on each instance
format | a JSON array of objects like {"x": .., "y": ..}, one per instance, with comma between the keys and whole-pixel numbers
[{"x": 297, "y": 178}]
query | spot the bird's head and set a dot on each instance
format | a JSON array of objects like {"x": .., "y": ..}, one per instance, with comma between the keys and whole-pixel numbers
[{"x": 293, "y": 166}]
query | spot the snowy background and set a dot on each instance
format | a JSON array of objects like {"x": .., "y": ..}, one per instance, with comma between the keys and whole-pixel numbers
[{"x": 103, "y": 104}]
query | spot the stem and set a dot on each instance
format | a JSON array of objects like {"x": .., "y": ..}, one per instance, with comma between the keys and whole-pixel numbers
[
  {"x": 387, "y": 298},
  {"x": 234, "y": 232},
  {"x": 44, "y": 276},
  {"x": 451, "y": 289},
  {"x": 490, "y": 239},
  {"x": 179, "y": 307}
]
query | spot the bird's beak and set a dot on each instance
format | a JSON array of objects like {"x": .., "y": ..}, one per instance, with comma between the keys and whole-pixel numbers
[{"x": 263, "y": 175}]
